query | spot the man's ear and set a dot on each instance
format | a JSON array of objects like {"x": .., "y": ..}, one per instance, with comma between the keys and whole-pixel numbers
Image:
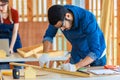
[{"x": 67, "y": 15}]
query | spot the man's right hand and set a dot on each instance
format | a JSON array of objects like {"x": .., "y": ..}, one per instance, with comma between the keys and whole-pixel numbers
[
  {"x": 69, "y": 67},
  {"x": 44, "y": 59}
]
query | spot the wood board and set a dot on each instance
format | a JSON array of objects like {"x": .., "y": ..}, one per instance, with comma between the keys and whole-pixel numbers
[
  {"x": 36, "y": 51},
  {"x": 8, "y": 72},
  {"x": 52, "y": 54},
  {"x": 29, "y": 51},
  {"x": 81, "y": 74}
]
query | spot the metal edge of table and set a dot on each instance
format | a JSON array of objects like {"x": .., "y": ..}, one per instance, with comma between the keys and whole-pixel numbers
[{"x": 15, "y": 57}]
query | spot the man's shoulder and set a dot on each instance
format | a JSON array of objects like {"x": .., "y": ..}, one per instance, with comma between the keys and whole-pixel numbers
[{"x": 73, "y": 7}]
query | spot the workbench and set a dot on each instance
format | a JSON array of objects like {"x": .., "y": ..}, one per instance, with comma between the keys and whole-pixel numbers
[
  {"x": 44, "y": 75},
  {"x": 15, "y": 57}
]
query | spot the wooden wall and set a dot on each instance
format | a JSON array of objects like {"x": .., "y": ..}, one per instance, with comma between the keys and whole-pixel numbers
[{"x": 31, "y": 33}]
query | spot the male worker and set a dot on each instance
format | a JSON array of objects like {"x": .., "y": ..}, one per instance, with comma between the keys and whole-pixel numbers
[{"x": 81, "y": 29}]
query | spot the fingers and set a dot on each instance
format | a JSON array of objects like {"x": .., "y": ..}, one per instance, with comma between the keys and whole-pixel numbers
[
  {"x": 67, "y": 61},
  {"x": 47, "y": 64},
  {"x": 44, "y": 60},
  {"x": 68, "y": 67},
  {"x": 41, "y": 64},
  {"x": 44, "y": 64}
]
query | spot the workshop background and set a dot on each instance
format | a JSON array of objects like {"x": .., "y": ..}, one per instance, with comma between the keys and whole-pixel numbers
[{"x": 34, "y": 22}]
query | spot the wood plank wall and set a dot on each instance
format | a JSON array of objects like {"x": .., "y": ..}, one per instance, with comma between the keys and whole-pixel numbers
[{"x": 32, "y": 32}]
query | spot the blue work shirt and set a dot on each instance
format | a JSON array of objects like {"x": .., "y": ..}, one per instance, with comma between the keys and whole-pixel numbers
[{"x": 85, "y": 35}]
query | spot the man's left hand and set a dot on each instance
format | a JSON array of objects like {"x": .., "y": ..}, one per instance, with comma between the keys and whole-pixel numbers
[{"x": 44, "y": 59}]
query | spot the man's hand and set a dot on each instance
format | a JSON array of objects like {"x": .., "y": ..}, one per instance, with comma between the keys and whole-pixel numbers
[
  {"x": 44, "y": 59},
  {"x": 69, "y": 67},
  {"x": 68, "y": 60}
]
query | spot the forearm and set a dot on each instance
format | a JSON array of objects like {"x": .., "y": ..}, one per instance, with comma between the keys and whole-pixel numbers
[
  {"x": 14, "y": 35},
  {"x": 86, "y": 61},
  {"x": 13, "y": 40},
  {"x": 47, "y": 46}
]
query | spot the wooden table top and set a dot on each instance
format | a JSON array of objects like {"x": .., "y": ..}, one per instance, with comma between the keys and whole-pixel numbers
[
  {"x": 45, "y": 75},
  {"x": 15, "y": 57}
]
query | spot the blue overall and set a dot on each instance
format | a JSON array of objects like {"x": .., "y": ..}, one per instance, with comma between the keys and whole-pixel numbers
[
  {"x": 85, "y": 36},
  {"x": 6, "y": 33}
]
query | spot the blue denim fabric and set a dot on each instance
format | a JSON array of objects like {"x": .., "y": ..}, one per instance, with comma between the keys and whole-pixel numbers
[
  {"x": 4, "y": 65},
  {"x": 85, "y": 35},
  {"x": 19, "y": 67},
  {"x": 98, "y": 62}
]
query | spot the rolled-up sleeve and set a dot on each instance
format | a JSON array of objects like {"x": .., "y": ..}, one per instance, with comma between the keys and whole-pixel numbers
[{"x": 92, "y": 55}]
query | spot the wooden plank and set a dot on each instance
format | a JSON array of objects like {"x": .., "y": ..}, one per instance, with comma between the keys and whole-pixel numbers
[
  {"x": 69, "y": 1},
  {"x": 108, "y": 46},
  {"x": 49, "y": 4},
  {"x": 62, "y": 2},
  {"x": 37, "y": 10},
  {"x": 22, "y": 16},
  {"x": 105, "y": 24},
  {"x": 56, "y": 1},
  {"x": 17, "y": 5},
  {"x": 97, "y": 9},
  {"x": 101, "y": 2},
  {"x": 11, "y": 3},
  {"x": 63, "y": 42},
  {"x": 36, "y": 51},
  {"x": 92, "y": 3},
  {"x": 29, "y": 51},
  {"x": 112, "y": 32},
  {"x": 42, "y": 9},
  {"x": 81, "y": 74},
  {"x": 87, "y": 4},
  {"x": 57, "y": 36},
  {"x": 105, "y": 21},
  {"x": 30, "y": 10},
  {"x": 2, "y": 54},
  {"x": 118, "y": 32}
]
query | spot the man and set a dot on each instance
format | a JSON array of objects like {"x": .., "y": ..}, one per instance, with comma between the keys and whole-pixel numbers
[{"x": 80, "y": 28}]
